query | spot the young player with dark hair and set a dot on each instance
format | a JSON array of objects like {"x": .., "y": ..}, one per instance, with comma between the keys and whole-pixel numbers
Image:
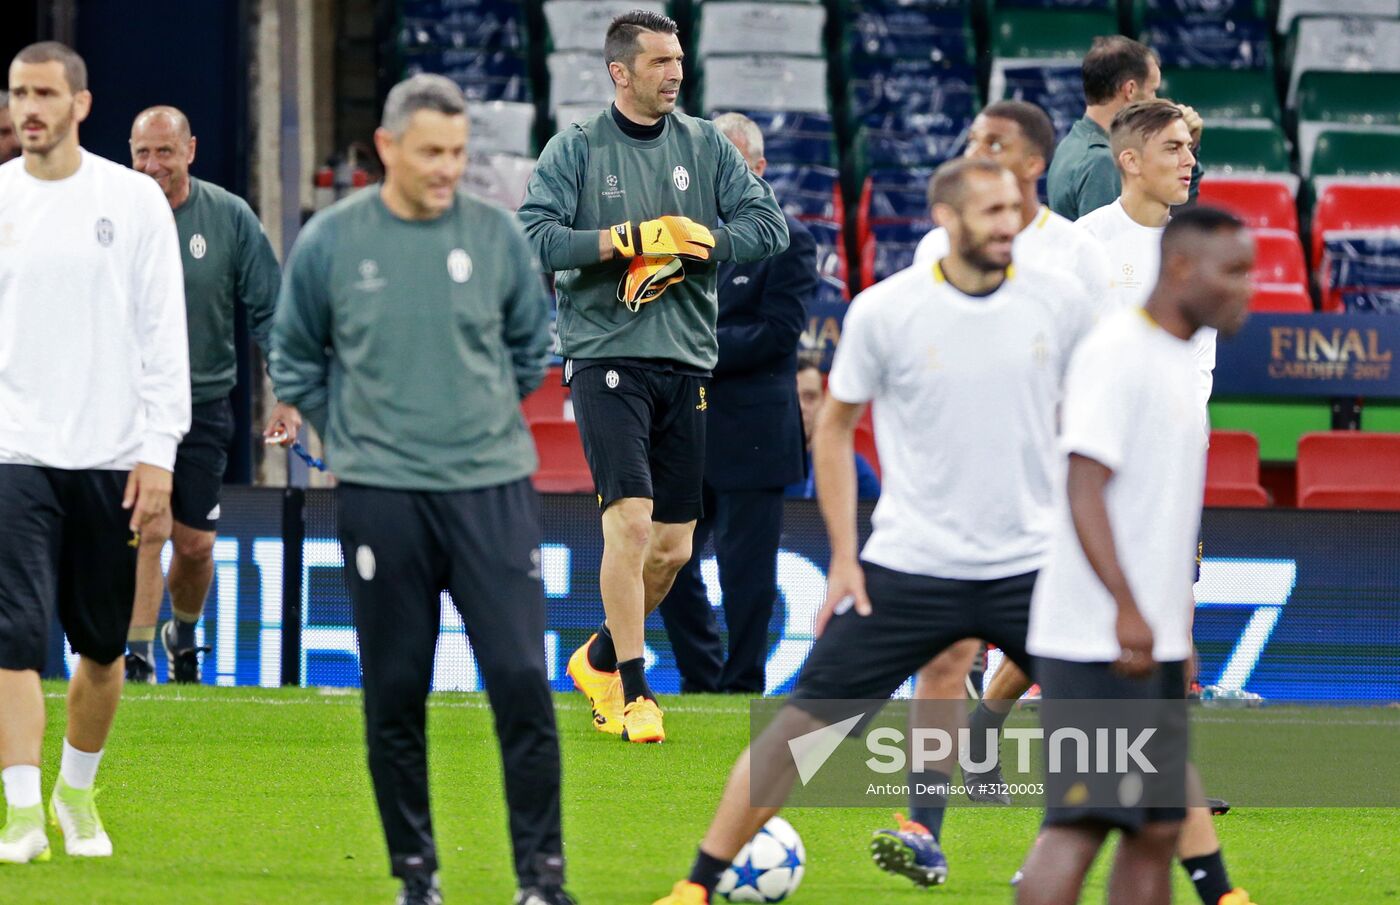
[
  {"x": 95, "y": 391},
  {"x": 626, "y": 208}
]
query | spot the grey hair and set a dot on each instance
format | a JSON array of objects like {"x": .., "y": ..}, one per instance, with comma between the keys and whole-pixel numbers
[
  {"x": 4, "y": 100},
  {"x": 420, "y": 92},
  {"x": 739, "y": 125}
]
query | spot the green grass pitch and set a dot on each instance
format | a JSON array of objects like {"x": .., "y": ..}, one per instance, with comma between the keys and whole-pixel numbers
[{"x": 255, "y": 796}]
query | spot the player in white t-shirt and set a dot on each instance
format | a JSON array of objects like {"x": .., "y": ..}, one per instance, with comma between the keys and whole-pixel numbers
[
  {"x": 1151, "y": 143},
  {"x": 94, "y": 398},
  {"x": 1111, "y": 616},
  {"x": 1020, "y": 137},
  {"x": 963, "y": 360}
]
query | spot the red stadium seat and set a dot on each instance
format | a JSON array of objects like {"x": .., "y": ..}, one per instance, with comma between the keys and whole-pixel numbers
[
  {"x": 1278, "y": 258},
  {"x": 1348, "y": 207},
  {"x": 1288, "y": 298},
  {"x": 865, "y": 445},
  {"x": 1232, "y": 471},
  {"x": 1349, "y": 470},
  {"x": 1260, "y": 203},
  {"x": 1353, "y": 206},
  {"x": 549, "y": 400},
  {"x": 563, "y": 469}
]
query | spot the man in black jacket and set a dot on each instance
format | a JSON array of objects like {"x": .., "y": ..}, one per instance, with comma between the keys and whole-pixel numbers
[{"x": 754, "y": 448}]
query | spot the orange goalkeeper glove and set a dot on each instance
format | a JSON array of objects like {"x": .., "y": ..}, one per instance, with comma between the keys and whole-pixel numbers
[
  {"x": 646, "y": 278},
  {"x": 680, "y": 237}
]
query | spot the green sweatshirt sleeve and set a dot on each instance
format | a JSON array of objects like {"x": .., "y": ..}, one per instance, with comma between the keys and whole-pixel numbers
[
  {"x": 525, "y": 327},
  {"x": 301, "y": 331},
  {"x": 551, "y": 200},
  {"x": 1099, "y": 183},
  {"x": 258, "y": 277},
  {"x": 754, "y": 227}
]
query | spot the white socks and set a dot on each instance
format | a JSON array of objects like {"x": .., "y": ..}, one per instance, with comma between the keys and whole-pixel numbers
[
  {"x": 22, "y": 786},
  {"x": 78, "y": 768}
]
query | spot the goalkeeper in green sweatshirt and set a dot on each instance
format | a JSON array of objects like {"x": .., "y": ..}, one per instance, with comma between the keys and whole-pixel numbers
[{"x": 626, "y": 209}]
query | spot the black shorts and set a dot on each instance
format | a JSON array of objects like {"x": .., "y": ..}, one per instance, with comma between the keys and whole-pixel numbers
[
  {"x": 200, "y": 462},
  {"x": 1072, "y": 698},
  {"x": 643, "y": 432},
  {"x": 913, "y": 618},
  {"x": 65, "y": 546}
]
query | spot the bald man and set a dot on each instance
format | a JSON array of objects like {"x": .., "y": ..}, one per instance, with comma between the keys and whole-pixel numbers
[{"x": 226, "y": 259}]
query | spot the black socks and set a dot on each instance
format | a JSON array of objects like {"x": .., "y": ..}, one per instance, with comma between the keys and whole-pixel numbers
[
  {"x": 601, "y": 654},
  {"x": 634, "y": 680},
  {"x": 1208, "y": 873},
  {"x": 706, "y": 870}
]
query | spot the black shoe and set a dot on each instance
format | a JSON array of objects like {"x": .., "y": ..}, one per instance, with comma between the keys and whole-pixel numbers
[
  {"x": 183, "y": 663},
  {"x": 544, "y": 895},
  {"x": 140, "y": 670},
  {"x": 420, "y": 889},
  {"x": 1218, "y": 806},
  {"x": 988, "y": 787}
]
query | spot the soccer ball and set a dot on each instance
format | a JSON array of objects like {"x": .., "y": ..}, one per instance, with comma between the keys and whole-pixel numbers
[{"x": 769, "y": 868}]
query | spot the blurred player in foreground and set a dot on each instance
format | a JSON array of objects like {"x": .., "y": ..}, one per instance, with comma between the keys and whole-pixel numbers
[
  {"x": 624, "y": 207},
  {"x": 966, "y": 347},
  {"x": 226, "y": 259},
  {"x": 1020, "y": 137},
  {"x": 1111, "y": 617},
  {"x": 95, "y": 387},
  {"x": 411, "y": 323}
]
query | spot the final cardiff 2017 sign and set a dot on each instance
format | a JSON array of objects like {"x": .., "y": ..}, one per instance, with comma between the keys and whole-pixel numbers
[{"x": 1311, "y": 355}]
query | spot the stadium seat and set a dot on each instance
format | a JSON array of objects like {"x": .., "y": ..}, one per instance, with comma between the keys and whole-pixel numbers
[
  {"x": 489, "y": 25},
  {"x": 1285, "y": 298},
  {"x": 896, "y": 194},
  {"x": 1356, "y": 154},
  {"x": 1048, "y": 34},
  {"x": 764, "y": 82},
  {"x": 506, "y": 127},
  {"x": 1349, "y": 470},
  {"x": 498, "y": 178},
  {"x": 1290, "y": 10},
  {"x": 577, "y": 77},
  {"x": 807, "y": 192},
  {"x": 794, "y": 137},
  {"x": 1343, "y": 206},
  {"x": 1278, "y": 258},
  {"x": 1360, "y": 271},
  {"x": 865, "y": 444},
  {"x": 1261, "y": 203},
  {"x": 1057, "y": 87},
  {"x": 582, "y": 24},
  {"x": 1232, "y": 471},
  {"x": 549, "y": 401},
  {"x": 908, "y": 36},
  {"x": 1207, "y": 43},
  {"x": 1224, "y": 98},
  {"x": 1334, "y": 44},
  {"x": 928, "y": 98},
  {"x": 1345, "y": 102},
  {"x": 563, "y": 468},
  {"x": 831, "y": 250},
  {"x": 1250, "y": 149},
  {"x": 731, "y": 27},
  {"x": 889, "y": 248},
  {"x": 502, "y": 75}
]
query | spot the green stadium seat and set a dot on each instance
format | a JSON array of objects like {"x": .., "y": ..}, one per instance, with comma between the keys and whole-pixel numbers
[
  {"x": 1277, "y": 423},
  {"x": 1246, "y": 149},
  {"x": 1356, "y": 154},
  {"x": 1048, "y": 34},
  {"x": 1234, "y": 96},
  {"x": 1359, "y": 98}
]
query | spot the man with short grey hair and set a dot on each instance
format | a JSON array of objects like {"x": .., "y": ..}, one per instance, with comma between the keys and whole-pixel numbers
[
  {"x": 412, "y": 321},
  {"x": 9, "y": 142},
  {"x": 753, "y": 449}
]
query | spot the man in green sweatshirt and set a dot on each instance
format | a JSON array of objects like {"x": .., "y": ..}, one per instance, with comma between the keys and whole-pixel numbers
[
  {"x": 227, "y": 259},
  {"x": 411, "y": 323},
  {"x": 1083, "y": 175},
  {"x": 641, "y": 186}
]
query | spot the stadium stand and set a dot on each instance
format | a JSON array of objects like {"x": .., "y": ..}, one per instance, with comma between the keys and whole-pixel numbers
[
  {"x": 1260, "y": 203},
  {"x": 1232, "y": 471},
  {"x": 1349, "y": 470}
]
